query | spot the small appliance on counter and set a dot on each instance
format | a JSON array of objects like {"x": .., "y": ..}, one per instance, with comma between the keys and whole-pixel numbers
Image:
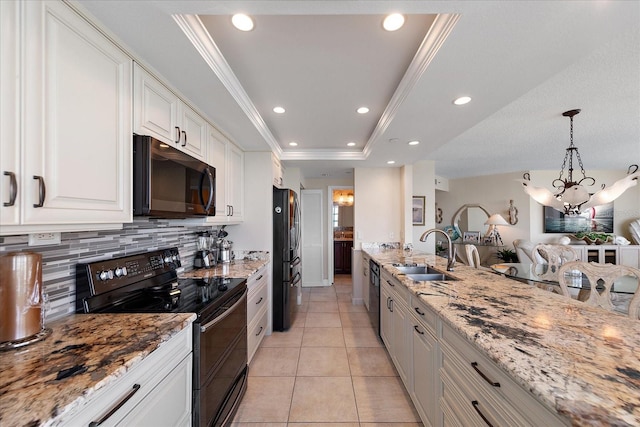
[
  {"x": 206, "y": 251},
  {"x": 21, "y": 314},
  {"x": 224, "y": 250}
]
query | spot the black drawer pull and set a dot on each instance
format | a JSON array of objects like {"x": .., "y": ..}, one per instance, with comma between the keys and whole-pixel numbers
[
  {"x": 260, "y": 331},
  {"x": 390, "y": 284},
  {"x": 418, "y": 330},
  {"x": 475, "y": 406},
  {"x": 259, "y": 301},
  {"x": 418, "y": 311},
  {"x": 13, "y": 189},
  {"x": 115, "y": 407},
  {"x": 474, "y": 365},
  {"x": 42, "y": 191},
  {"x": 259, "y": 277}
]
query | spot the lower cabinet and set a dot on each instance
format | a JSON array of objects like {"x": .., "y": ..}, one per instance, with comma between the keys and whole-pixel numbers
[
  {"x": 157, "y": 391},
  {"x": 342, "y": 256},
  {"x": 257, "y": 309},
  {"x": 449, "y": 381}
]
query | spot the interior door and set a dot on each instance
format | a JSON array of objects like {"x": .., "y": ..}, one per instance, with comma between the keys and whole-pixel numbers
[{"x": 312, "y": 237}]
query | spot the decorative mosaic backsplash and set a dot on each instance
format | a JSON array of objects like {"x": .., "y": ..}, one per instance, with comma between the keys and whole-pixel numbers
[{"x": 59, "y": 261}]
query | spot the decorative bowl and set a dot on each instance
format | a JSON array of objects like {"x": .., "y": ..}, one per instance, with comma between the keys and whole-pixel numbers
[{"x": 596, "y": 241}]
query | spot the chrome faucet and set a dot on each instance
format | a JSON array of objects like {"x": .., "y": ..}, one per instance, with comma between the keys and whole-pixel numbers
[{"x": 451, "y": 250}]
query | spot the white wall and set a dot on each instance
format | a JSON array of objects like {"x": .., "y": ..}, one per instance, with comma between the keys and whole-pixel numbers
[
  {"x": 378, "y": 209},
  {"x": 424, "y": 185}
]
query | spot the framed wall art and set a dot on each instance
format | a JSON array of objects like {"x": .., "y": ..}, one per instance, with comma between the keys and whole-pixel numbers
[
  {"x": 417, "y": 210},
  {"x": 596, "y": 219},
  {"x": 471, "y": 237}
]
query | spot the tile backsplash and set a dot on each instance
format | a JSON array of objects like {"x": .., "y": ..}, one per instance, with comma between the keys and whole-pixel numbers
[{"x": 59, "y": 261}]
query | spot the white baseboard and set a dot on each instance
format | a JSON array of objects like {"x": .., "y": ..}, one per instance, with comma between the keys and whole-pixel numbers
[{"x": 357, "y": 301}]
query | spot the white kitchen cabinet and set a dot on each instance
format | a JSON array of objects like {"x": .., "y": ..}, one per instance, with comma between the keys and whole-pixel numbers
[
  {"x": 476, "y": 391},
  {"x": 155, "y": 391},
  {"x": 9, "y": 114},
  {"x": 395, "y": 324},
  {"x": 257, "y": 309},
  {"x": 160, "y": 113},
  {"x": 229, "y": 163},
  {"x": 74, "y": 148},
  {"x": 425, "y": 362},
  {"x": 597, "y": 253}
]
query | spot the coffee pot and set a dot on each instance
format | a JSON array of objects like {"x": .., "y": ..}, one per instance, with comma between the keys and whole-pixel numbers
[{"x": 203, "y": 258}]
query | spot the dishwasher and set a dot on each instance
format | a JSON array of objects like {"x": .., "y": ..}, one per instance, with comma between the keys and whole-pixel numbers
[{"x": 374, "y": 295}]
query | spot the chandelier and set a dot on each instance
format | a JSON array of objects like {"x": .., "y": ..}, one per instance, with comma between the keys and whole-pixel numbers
[{"x": 572, "y": 197}]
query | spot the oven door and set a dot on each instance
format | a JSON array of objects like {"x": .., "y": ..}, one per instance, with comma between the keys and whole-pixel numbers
[{"x": 220, "y": 362}]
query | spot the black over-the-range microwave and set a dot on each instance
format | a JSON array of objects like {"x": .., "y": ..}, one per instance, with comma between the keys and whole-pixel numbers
[{"x": 168, "y": 183}]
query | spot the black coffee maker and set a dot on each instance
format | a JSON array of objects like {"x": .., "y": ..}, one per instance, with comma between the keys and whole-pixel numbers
[{"x": 204, "y": 258}]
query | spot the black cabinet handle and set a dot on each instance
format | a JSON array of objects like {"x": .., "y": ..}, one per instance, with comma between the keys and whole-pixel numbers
[
  {"x": 474, "y": 365},
  {"x": 259, "y": 277},
  {"x": 260, "y": 331},
  {"x": 115, "y": 407},
  {"x": 177, "y": 135},
  {"x": 476, "y": 407},
  {"x": 42, "y": 190},
  {"x": 231, "y": 210},
  {"x": 259, "y": 301},
  {"x": 184, "y": 144},
  {"x": 418, "y": 311},
  {"x": 13, "y": 189},
  {"x": 390, "y": 284},
  {"x": 418, "y": 330}
]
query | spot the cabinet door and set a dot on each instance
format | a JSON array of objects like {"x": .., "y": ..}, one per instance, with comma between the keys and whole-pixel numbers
[
  {"x": 11, "y": 178},
  {"x": 386, "y": 325},
  {"x": 235, "y": 196},
  {"x": 425, "y": 373},
  {"x": 217, "y": 155},
  {"x": 629, "y": 256},
  {"x": 155, "y": 111},
  {"x": 401, "y": 341},
  {"x": 77, "y": 126},
  {"x": 193, "y": 138}
]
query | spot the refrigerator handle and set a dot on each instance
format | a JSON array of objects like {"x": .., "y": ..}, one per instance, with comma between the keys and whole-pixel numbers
[
  {"x": 296, "y": 279},
  {"x": 296, "y": 261}
]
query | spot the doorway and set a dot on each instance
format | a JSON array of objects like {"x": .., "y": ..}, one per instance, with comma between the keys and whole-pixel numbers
[{"x": 341, "y": 203}]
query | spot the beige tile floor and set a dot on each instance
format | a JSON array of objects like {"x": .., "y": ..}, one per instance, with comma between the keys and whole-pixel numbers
[{"x": 329, "y": 369}]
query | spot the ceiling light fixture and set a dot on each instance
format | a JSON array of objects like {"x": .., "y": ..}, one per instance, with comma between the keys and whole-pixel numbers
[
  {"x": 572, "y": 197},
  {"x": 278, "y": 110},
  {"x": 351, "y": 144},
  {"x": 393, "y": 22},
  {"x": 362, "y": 110},
  {"x": 293, "y": 144},
  {"x": 462, "y": 100},
  {"x": 242, "y": 22},
  {"x": 414, "y": 142},
  {"x": 390, "y": 162}
]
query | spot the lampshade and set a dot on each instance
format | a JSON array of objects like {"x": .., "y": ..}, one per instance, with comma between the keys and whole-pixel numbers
[{"x": 496, "y": 219}]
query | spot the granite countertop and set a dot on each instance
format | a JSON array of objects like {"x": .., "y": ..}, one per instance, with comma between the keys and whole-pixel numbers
[
  {"x": 84, "y": 353},
  {"x": 244, "y": 266},
  {"x": 582, "y": 362}
]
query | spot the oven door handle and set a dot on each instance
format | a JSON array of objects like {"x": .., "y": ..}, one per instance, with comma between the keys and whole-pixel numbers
[{"x": 220, "y": 318}]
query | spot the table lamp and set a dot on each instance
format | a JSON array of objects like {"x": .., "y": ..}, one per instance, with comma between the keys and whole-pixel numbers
[{"x": 492, "y": 233}]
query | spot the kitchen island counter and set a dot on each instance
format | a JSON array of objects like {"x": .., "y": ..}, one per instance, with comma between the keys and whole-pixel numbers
[
  {"x": 581, "y": 362},
  {"x": 46, "y": 380}
]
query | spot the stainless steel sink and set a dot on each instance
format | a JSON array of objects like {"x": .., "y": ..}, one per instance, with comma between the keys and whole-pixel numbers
[
  {"x": 416, "y": 269},
  {"x": 426, "y": 277}
]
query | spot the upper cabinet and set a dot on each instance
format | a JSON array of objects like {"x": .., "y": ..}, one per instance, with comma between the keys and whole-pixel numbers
[
  {"x": 229, "y": 163},
  {"x": 159, "y": 113},
  {"x": 68, "y": 89}
]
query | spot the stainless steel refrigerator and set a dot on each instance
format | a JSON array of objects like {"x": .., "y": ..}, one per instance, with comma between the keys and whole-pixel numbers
[{"x": 287, "y": 272}]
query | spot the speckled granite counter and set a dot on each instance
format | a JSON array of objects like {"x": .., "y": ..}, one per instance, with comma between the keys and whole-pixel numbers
[
  {"x": 84, "y": 353},
  {"x": 244, "y": 266},
  {"x": 580, "y": 361}
]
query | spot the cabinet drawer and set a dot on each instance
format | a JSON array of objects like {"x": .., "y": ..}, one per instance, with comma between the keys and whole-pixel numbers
[
  {"x": 256, "y": 331},
  {"x": 424, "y": 314},
  {"x": 401, "y": 292},
  {"x": 475, "y": 373},
  {"x": 258, "y": 297}
]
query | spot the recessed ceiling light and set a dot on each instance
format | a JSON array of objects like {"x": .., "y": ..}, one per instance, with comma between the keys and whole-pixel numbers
[
  {"x": 390, "y": 162},
  {"x": 414, "y": 142},
  {"x": 242, "y": 22},
  {"x": 278, "y": 110},
  {"x": 293, "y": 144},
  {"x": 462, "y": 100},
  {"x": 362, "y": 110},
  {"x": 351, "y": 144},
  {"x": 393, "y": 22}
]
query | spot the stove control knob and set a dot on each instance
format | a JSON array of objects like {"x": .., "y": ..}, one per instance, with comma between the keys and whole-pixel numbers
[
  {"x": 121, "y": 271},
  {"x": 106, "y": 275}
]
